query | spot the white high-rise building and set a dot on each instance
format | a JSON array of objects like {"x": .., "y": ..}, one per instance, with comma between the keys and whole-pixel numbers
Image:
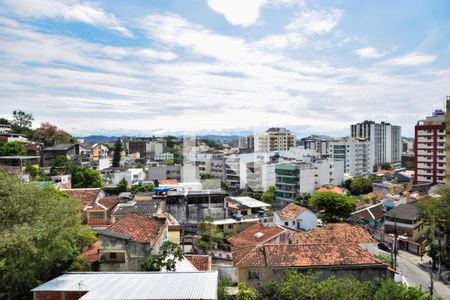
[
  {"x": 355, "y": 152},
  {"x": 385, "y": 140}
]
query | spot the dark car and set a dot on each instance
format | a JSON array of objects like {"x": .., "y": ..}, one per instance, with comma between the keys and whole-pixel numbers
[{"x": 384, "y": 246}]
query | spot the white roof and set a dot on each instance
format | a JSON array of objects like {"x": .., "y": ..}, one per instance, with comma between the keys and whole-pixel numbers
[
  {"x": 136, "y": 285},
  {"x": 233, "y": 221},
  {"x": 249, "y": 202}
]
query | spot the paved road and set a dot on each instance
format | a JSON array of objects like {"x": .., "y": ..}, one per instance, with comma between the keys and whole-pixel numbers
[{"x": 409, "y": 266}]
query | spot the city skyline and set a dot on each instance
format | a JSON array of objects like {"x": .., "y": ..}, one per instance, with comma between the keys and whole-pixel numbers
[{"x": 209, "y": 67}]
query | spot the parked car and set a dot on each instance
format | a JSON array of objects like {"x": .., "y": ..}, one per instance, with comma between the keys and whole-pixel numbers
[{"x": 386, "y": 247}]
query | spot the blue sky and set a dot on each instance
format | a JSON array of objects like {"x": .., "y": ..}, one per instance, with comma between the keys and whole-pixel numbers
[{"x": 216, "y": 66}]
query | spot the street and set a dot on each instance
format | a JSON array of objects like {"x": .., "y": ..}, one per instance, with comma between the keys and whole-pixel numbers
[{"x": 414, "y": 274}]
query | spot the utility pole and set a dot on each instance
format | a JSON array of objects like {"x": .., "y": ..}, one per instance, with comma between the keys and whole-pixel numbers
[
  {"x": 395, "y": 242},
  {"x": 431, "y": 282}
]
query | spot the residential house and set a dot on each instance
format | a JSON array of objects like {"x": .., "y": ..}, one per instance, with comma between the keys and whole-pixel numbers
[
  {"x": 295, "y": 217},
  {"x": 130, "y": 286},
  {"x": 99, "y": 213},
  {"x": 49, "y": 154},
  {"x": 130, "y": 241},
  {"x": 132, "y": 176},
  {"x": 405, "y": 221},
  {"x": 245, "y": 206},
  {"x": 99, "y": 151},
  {"x": 371, "y": 215},
  {"x": 268, "y": 262},
  {"x": 387, "y": 187},
  {"x": 87, "y": 198}
]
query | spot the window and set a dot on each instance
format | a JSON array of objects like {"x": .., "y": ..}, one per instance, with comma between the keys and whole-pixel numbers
[
  {"x": 113, "y": 255},
  {"x": 286, "y": 223},
  {"x": 97, "y": 215},
  {"x": 253, "y": 275}
]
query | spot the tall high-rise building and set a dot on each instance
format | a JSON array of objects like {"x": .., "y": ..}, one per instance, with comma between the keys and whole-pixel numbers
[
  {"x": 274, "y": 139},
  {"x": 355, "y": 153},
  {"x": 430, "y": 148},
  {"x": 385, "y": 140}
]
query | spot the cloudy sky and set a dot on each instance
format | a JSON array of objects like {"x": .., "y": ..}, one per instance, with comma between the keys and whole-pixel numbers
[{"x": 214, "y": 66}]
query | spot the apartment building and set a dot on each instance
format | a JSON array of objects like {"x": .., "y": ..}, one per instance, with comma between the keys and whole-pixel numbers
[
  {"x": 430, "y": 149},
  {"x": 247, "y": 143},
  {"x": 146, "y": 148},
  {"x": 274, "y": 139},
  {"x": 384, "y": 138},
  {"x": 210, "y": 163},
  {"x": 356, "y": 154},
  {"x": 186, "y": 173},
  {"x": 317, "y": 143}
]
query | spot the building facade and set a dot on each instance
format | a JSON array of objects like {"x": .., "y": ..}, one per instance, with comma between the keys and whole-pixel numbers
[
  {"x": 356, "y": 154},
  {"x": 384, "y": 138},
  {"x": 274, "y": 139},
  {"x": 430, "y": 149}
]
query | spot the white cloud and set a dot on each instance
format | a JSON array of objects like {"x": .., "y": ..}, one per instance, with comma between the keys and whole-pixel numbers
[
  {"x": 68, "y": 10},
  {"x": 238, "y": 12},
  {"x": 315, "y": 21},
  {"x": 369, "y": 52},
  {"x": 411, "y": 59}
]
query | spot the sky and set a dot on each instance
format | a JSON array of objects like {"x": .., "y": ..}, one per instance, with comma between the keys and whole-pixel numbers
[{"x": 223, "y": 66}]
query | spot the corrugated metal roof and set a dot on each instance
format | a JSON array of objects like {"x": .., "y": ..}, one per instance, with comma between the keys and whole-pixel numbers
[{"x": 136, "y": 285}]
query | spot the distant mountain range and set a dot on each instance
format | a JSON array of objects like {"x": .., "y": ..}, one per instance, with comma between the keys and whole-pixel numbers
[{"x": 106, "y": 139}]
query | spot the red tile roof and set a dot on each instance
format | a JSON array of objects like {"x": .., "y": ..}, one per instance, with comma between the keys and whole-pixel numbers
[
  {"x": 140, "y": 229},
  {"x": 306, "y": 255},
  {"x": 290, "y": 211},
  {"x": 255, "y": 235},
  {"x": 109, "y": 202},
  {"x": 334, "y": 189},
  {"x": 92, "y": 252},
  {"x": 373, "y": 212},
  {"x": 85, "y": 196},
  {"x": 200, "y": 262},
  {"x": 339, "y": 233}
]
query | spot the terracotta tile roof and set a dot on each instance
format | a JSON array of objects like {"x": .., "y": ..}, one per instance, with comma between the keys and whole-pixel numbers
[
  {"x": 307, "y": 255},
  {"x": 85, "y": 196},
  {"x": 334, "y": 189},
  {"x": 168, "y": 182},
  {"x": 109, "y": 202},
  {"x": 139, "y": 228},
  {"x": 374, "y": 195},
  {"x": 201, "y": 262},
  {"x": 373, "y": 212},
  {"x": 92, "y": 252},
  {"x": 255, "y": 235},
  {"x": 290, "y": 211},
  {"x": 339, "y": 233}
]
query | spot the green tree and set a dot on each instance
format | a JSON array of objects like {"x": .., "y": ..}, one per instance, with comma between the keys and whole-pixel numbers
[
  {"x": 435, "y": 212},
  {"x": 211, "y": 184},
  {"x": 142, "y": 187},
  {"x": 302, "y": 199},
  {"x": 36, "y": 174},
  {"x": 222, "y": 289},
  {"x": 50, "y": 135},
  {"x": 346, "y": 288},
  {"x": 391, "y": 290},
  {"x": 122, "y": 186},
  {"x": 348, "y": 184},
  {"x": 386, "y": 166},
  {"x": 62, "y": 166},
  {"x": 86, "y": 178},
  {"x": 361, "y": 185},
  {"x": 409, "y": 165},
  {"x": 39, "y": 232},
  {"x": 117, "y": 152},
  {"x": 12, "y": 149},
  {"x": 170, "y": 162},
  {"x": 4, "y": 121},
  {"x": 21, "y": 121},
  {"x": 269, "y": 195},
  {"x": 166, "y": 258},
  {"x": 210, "y": 234},
  {"x": 336, "y": 206},
  {"x": 433, "y": 253},
  {"x": 245, "y": 292}
]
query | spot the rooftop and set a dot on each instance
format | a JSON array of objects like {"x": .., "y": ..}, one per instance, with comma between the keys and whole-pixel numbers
[
  {"x": 85, "y": 196},
  {"x": 144, "y": 207},
  {"x": 373, "y": 212},
  {"x": 404, "y": 211},
  {"x": 136, "y": 227},
  {"x": 59, "y": 147},
  {"x": 255, "y": 235},
  {"x": 290, "y": 211},
  {"x": 307, "y": 255},
  {"x": 249, "y": 202},
  {"x": 339, "y": 233},
  {"x": 201, "y": 262},
  {"x": 136, "y": 285}
]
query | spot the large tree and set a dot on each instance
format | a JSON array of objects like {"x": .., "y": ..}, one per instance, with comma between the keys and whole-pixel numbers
[
  {"x": 334, "y": 206},
  {"x": 391, "y": 290},
  {"x": 40, "y": 235},
  {"x": 12, "y": 148},
  {"x": 86, "y": 178},
  {"x": 50, "y": 135},
  {"x": 210, "y": 234},
  {"x": 269, "y": 195},
  {"x": 360, "y": 185},
  {"x": 62, "y": 165},
  {"x": 22, "y": 121},
  {"x": 117, "y": 153}
]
